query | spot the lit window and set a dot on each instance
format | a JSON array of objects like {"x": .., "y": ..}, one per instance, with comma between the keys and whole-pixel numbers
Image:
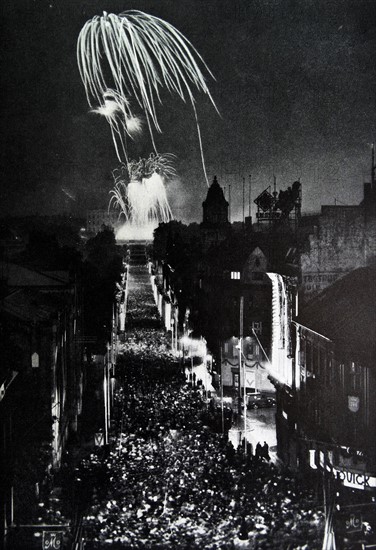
[
  {"x": 235, "y": 351},
  {"x": 253, "y": 351},
  {"x": 235, "y": 274}
]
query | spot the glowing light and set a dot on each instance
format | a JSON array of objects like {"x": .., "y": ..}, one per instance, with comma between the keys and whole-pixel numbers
[
  {"x": 140, "y": 193},
  {"x": 195, "y": 347},
  {"x": 281, "y": 362},
  {"x": 123, "y": 123},
  {"x": 136, "y": 55}
]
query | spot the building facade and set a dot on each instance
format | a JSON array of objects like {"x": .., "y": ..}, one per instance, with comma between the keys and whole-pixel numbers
[
  {"x": 96, "y": 219},
  {"x": 326, "y": 411},
  {"x": 41, "y": 382},
  {"x": 344, "y": 239}
]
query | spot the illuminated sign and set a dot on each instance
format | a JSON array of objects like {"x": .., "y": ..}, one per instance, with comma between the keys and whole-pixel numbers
[
  {"x": 355, "y": 480},
  {"x": 99, "y": 439},
  {"x": 52, "y": 540},
  {"x": 349, "y": 523},
  {"x": 353, "y": 403}
]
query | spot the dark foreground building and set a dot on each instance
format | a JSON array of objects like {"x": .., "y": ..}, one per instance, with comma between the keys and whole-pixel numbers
[
  {"x": 41, "y": 382},
  {"x": 326, "y": 422}
]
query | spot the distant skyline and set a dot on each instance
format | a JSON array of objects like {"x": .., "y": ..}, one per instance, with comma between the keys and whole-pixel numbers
[{"x": 295, "y": 86}]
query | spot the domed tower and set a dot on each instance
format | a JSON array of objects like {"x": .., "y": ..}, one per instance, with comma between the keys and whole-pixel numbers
[{"x": 215, "y": 225}]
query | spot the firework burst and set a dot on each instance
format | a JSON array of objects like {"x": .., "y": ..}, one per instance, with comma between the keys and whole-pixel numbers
[
  {"x": 136, "y": 55},
  {"x": 139, "y": 192},
  {"x": 123, "y": 123}
]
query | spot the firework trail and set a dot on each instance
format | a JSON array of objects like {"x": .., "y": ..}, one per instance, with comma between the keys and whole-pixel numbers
[
  {"x": 136, "y": 55},
  {"x": 139, "y": 192},
  {"x": 123, "y": 123}
]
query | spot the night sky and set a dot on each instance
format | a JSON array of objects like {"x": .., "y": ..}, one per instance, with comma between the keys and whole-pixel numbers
[{"x": 295, "y": 86}]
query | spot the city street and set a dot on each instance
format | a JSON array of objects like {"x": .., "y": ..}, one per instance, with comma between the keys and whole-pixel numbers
[
  {"x": 188, "y": 275},
  {"x": 260, "y": 429},
  {"x": 168, "y": 478}
]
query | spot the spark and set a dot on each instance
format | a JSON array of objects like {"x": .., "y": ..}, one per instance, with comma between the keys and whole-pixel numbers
[
  {"x": 136, "y": 55},
  {"x": 123, "y": 123},
  {"x": 68, "y": 193},
  {"x": 139, "y": 192}
]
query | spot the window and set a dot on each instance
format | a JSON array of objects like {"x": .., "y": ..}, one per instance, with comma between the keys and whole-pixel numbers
[
  {"x": 315, "y": 360},
  {"x": 309, "y": 362},
  {"x": 355, "y": 377},
  {"x": 235, "y": 351},
  {"x": 253, "y": 351},
  {"x": 235, "y": 275}
]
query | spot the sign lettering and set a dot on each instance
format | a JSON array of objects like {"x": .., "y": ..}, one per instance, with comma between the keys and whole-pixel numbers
[
  {"x": 52, "y": 540},
  {"x": 350, "y": 522},
  {"x": 354, "y": 480},
  {"x": 354, "y": 523}
]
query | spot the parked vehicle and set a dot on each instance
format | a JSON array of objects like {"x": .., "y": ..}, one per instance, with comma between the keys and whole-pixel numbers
[{"x": 260, "y": 401}]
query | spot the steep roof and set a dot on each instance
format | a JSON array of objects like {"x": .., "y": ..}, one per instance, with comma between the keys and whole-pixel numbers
[
  {"x": 345, "y": 312},
  {"x": 31, "y": 305},
  {"x": 17, "y": 276},
  {"x": 215, "y": 194}
]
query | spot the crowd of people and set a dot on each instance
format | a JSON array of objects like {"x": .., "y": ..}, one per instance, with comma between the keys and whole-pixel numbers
[{"x": 168, "y": 480}]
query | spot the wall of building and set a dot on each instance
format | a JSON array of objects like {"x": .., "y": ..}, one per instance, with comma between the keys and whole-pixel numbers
[
  {"x": 254, "y": 361},
  {"x": 343, "y": 240},
  {"x": 42, "y": 406},
  {"x": 95, "y": 219}
]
